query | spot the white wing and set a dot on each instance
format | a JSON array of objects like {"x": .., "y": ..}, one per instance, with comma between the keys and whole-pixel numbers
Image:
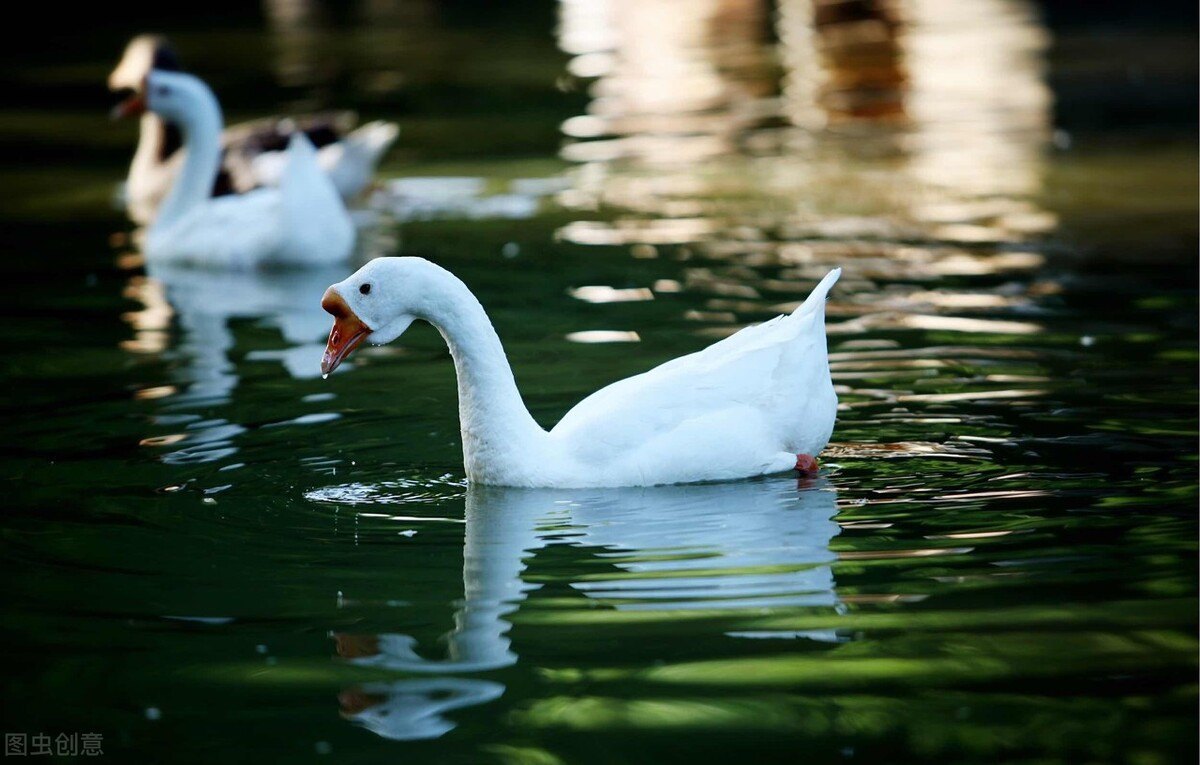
[
  {"x": 233, "y": 232},
  {"x": 779, "y": 369},
  {"x": 318, "y": 228},
  {"x": 303, "y": 222},
  {"x": 349, "y": 163}
]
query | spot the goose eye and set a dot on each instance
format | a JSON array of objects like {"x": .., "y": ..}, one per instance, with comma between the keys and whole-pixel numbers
[{"x": 365, "y": 289}]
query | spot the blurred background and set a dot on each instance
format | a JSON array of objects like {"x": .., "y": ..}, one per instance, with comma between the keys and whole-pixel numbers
[
  {"x": 987, "y": 98},
  {"x": 212, "y": 553}
]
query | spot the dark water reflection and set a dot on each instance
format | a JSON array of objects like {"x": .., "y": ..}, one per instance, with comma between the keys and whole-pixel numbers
[
  {"x": 200, "y": 308},
  {"x": 672, "y": 548},
  {"x": 997, "y": 564}
]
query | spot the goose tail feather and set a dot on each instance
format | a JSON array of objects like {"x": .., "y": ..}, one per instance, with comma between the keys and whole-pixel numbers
[
  {"x": 373, "y": 139},
  {"x": 816, "y": 298}
]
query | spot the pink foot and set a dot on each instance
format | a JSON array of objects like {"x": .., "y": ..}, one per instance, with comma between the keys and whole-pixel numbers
[{"x": 807, "y": 464}]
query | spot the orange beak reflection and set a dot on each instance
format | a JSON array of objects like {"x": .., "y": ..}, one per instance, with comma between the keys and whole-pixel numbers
[{"x": 348, "y": 331}]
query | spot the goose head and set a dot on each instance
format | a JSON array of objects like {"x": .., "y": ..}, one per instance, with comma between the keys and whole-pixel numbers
[
  {"x": 143, "y": 54},
  {"x": 376, "y": 304},
  {"x": 179, "y": 98}
]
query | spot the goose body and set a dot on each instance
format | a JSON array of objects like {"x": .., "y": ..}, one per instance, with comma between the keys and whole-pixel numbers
[
  {"x": 745, "y": 406},
  {"x": 302, "y": 221},
  {"x": 253, "y": 154}
]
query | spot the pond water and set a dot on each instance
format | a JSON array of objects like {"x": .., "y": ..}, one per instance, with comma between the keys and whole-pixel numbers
[{"x": 210, "y": 553}]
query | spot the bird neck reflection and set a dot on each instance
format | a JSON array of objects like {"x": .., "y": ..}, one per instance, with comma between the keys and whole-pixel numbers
[{"x": 745, "y": 545}]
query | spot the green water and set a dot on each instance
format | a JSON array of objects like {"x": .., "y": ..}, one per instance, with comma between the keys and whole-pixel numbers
[{"x": 212, "y": 554}]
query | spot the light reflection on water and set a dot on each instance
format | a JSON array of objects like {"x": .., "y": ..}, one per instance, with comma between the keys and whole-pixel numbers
[
  {"x": 200, "y": 307},
  {"x": 671, "y": 548},
  {"x": 904, "y": 143},
  {"x": 950, "y": 95}
]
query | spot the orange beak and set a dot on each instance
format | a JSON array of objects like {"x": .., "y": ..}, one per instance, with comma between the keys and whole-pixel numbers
[
  {"x": 348, "y": 331},
  {"x": 356, "y": 646},
  {"x": 130, "y": 107}
]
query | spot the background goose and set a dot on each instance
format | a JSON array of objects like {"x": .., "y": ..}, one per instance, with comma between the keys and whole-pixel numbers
[
  {"x": 758, "y": 402},
  {"x": 302, "y": 222},
  {"x": 253, "y": 153}
]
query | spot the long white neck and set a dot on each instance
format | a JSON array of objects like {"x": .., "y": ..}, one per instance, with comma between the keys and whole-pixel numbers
[
  {"x": 501, "y": 529},
  {"x": 499, "y": 435},
  {"x": 201, "y": 126},
  {"x": 151, "y": 139}
]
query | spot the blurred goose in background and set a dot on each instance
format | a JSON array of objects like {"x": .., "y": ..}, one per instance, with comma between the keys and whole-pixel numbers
[
  {"x": 253, "y": 153},
  {"x": 758, "y": 402},
  {"x": 303, "y": 221}
]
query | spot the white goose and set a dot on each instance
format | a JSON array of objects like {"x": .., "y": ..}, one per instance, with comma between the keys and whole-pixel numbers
[
  {"x": 756, "y": 403},
  {"x": 302, "y": 222},
  {"x": 252, "y": 152}
]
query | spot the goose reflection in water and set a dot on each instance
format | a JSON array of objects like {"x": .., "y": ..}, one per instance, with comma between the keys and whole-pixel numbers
[
  {"x": 202, "y": 305},
  {"x": 411, "y": 710},
  {"x": 744, "y": 545}
]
